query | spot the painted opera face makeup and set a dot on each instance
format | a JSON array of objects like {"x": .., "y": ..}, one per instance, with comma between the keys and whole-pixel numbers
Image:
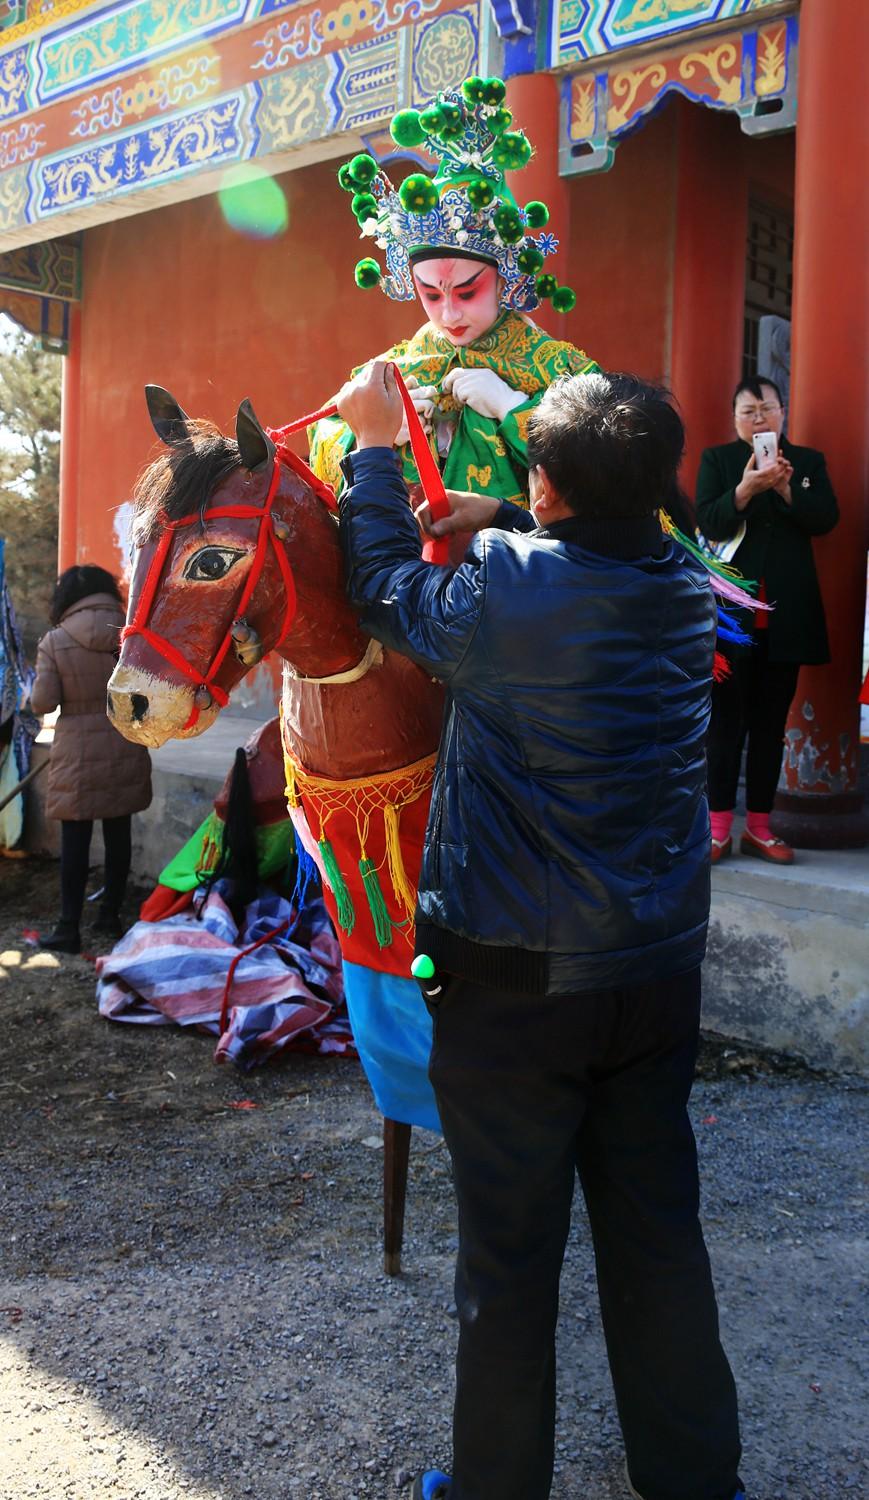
[{"x": 460, "y": 297}]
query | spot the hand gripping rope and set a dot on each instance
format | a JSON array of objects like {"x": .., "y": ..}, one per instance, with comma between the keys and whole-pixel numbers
[{"x": 435, "y": 550}]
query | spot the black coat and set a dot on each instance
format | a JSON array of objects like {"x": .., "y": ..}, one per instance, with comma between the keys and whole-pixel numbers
[
  {"x": 568, "y": 841},
  {"x": 778, "y": 541}
]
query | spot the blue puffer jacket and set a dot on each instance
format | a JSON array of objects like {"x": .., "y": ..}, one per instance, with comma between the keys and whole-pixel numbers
[{"x": 568, "y": 840}]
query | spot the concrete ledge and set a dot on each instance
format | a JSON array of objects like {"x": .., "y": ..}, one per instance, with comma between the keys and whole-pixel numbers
[{"x": 788, "y": 959}]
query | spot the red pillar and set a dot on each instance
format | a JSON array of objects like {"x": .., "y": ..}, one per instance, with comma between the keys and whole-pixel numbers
[
  {"x": 534, "y": 99},
  {"x": 70, "y": 417},
  {"x": 708, "y": 292},
  {"x": 829, "y": 404}
]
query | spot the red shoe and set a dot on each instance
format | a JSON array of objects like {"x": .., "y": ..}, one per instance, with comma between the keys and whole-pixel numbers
[
  {"x": 721, "y": 849},
  {"x": 774, "y": 851}
]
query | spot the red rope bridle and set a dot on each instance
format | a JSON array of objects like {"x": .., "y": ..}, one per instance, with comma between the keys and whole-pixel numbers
[{"x": 435, "y": 551}]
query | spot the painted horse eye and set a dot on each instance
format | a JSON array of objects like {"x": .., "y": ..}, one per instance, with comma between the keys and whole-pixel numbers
[{"x": 211, "y": 563}]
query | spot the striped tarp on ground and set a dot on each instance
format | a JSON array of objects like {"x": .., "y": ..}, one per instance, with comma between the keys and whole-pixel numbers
[{"x": 285, "y": 993}]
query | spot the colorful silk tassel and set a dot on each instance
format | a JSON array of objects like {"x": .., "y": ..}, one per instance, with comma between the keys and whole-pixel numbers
[
  {"x": 729, "y": 629},
  {"x": 404, "y": 891},
  {"x": 377, "y": 903},
  {"x": 725, "y": 580},
  {"x": 338, "y": 886},
  {"x": 306, "y": 873}
]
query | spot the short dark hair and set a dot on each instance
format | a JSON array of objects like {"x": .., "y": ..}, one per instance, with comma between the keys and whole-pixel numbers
[
  {"x": 754, "y": 384},
  {"x": 76, "y": 583},
  {"x": 610, "y": 444}
]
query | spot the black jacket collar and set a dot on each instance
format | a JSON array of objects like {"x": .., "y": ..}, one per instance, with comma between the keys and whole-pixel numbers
[{"x": 623, "y": 539}]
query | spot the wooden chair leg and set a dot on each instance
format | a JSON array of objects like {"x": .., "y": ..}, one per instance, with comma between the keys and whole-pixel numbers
[{"x": 396, "y": 1152}]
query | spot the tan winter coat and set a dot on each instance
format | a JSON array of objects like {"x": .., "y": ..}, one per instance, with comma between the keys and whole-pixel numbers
[{"x": 94, "y": 772}]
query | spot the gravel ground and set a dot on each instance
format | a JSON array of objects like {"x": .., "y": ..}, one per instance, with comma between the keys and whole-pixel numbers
[{"x": 191, "y": 1295}]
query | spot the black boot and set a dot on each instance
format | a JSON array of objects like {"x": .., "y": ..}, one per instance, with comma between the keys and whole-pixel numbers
[
  {"x": 108, "y": 923},
  {"x": 64, "y": 939}
]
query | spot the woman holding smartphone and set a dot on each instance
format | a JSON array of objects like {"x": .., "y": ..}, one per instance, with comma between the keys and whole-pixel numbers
[{"x": 767, "y": 498}]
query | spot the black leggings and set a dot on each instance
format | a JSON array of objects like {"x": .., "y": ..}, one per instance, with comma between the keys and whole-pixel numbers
[
  {"x": 75, "y": 847},
  {"x": 753, "y": 701}
]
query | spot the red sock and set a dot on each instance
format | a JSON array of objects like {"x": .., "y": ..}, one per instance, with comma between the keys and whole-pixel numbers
[
  {"x": 758, "y": 825},
  {"x": 721, "y": 825}
]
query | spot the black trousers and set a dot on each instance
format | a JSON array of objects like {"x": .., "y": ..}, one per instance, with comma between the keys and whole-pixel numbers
[
  {"x": 530, "y": 1091},
  {"x": 75, "y": 844},
  {"x": 753, "y": 701}
]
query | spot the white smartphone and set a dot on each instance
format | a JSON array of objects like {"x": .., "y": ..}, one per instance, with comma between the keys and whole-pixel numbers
[{"x": 765, "y": 449}]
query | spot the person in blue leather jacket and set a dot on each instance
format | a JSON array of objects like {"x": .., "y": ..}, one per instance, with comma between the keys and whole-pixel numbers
[{"x": 564, "y": 899}]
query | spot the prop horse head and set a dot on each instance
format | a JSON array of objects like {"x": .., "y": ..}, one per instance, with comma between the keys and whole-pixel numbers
[{"x": 236, "y": 553}]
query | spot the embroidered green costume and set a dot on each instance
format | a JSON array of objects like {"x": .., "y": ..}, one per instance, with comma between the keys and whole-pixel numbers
[{"x": 476, "y": 453}]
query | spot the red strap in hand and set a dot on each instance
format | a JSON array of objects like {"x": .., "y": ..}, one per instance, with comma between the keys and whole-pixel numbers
[{"x": 435, "y": 549}]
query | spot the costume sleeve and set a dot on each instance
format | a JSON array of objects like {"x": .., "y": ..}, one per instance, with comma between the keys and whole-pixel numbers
[
  {"x": 47, "y": 688},
  {"x": 427, "y": 613},
  {"x": 717, "y": 516},
  {"x": 514, "y": 430},
  {"x": 330, "y": 440},
  {"x": 813, "y": 508}
]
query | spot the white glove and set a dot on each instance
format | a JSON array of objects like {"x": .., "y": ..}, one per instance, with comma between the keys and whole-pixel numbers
[
  {"x": 484, "y": 392},
  {"x": 423, "y": 398}
]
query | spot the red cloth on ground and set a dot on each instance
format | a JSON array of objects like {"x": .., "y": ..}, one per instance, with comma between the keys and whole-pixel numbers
[{"x": 164, "y": 902}]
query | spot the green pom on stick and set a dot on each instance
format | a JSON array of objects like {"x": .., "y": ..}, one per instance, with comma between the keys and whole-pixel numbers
[
  {"x": 508, "y": 224},
  {"x": 564, "y": 299},
  {"x": 536, "y": 214},
  {"x": 407, "y": 128},
  {"x": 474, "y": 90},
  {"x": 546, "y": 286},
  {"x": 363, "y": 168},
  {"x": 511, "y": 151},
  {"x": 367, "y": 274},
  {"x": 500, "y": 121},
  {"x": 480, "y": 193},
  {"x": 418, "y": 194},
  {"x": 364, "y": 205},
  {"x": 494, "y": 91},
  {"x": 431, "y": 119},
  {"x": 453, "y": 113},
  {"x": 529, "y": 259}
]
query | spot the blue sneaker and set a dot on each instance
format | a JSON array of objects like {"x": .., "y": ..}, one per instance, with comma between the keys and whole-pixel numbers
[{"x": 432, "y": 1485}]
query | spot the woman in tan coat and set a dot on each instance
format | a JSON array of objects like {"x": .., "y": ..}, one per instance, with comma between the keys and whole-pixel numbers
[{"x": 94, "y": 772}]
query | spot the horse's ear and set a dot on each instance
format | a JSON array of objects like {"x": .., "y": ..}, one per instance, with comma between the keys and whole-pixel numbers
[
  {"x": 168, "y": 419},
  {"x": 254, "y": 446}
]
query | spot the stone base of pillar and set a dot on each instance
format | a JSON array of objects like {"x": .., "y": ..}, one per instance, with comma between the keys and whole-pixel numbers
[{"x": 821, "y": 822}]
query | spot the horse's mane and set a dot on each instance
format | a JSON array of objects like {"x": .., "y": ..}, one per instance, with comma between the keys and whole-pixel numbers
[{"x": 183, "y": 478}]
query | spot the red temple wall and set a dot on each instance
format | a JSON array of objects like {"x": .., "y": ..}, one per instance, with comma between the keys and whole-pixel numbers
[{"x": 655, "y": 249}]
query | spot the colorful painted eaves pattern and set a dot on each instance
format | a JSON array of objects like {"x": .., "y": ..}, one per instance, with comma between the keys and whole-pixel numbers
[
  {"x": 751, "y": 72},
  {"x": 581, "y": 30},
  {"x": 105, "y": 100}
]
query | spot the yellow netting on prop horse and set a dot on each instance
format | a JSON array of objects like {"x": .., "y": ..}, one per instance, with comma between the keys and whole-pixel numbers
[{"x": 373, "y": 803}]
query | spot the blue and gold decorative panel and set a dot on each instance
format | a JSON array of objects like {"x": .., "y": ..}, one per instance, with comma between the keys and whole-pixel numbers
[
  {"x": 96, "y": 47},
  {"x": 444, "y": 53},
  {"x": 581, "y": 30},
  {"x": 15, "y": 81},
  {"x": 296, "y": 107},
  {"x": 149, "y": 156},
  {"x": 99, "y": 99},
  {"x": 752, "y": 72}
]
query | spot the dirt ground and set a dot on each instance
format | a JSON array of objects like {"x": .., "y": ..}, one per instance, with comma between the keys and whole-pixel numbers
[{"x": 191, "y": 1295}]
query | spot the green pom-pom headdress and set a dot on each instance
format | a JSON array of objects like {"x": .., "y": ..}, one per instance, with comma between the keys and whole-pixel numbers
[{"x": 466, "y": 208}]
